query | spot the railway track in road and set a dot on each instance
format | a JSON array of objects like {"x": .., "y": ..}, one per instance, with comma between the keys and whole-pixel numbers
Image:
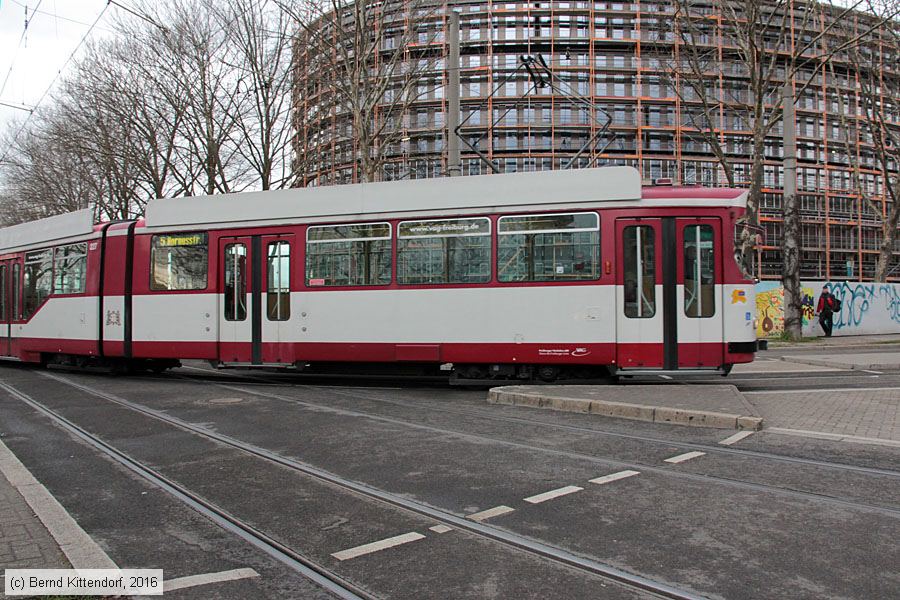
[
  {"x": 789, "y": 491},
  {"x": 317, "y": 572},
  {"x": 487, "y": 415}
]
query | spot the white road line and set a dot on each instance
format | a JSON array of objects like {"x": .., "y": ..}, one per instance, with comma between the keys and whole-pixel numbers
[
  {"x": 81, "y": 550},
  {"x": 207, "y": 578},
  {"x": 874, "y": 372},
  {"x": 807, "y": 391},
  {"x": 440, "y": 529},
  {"x": 614, "y": 477},
  {"x": 397, "y": 540},
  {"x": 836, "y": 437},
  {"x": 683, "y": 457},
  {"x": 736, "y": 438},
  {"x": 666, "y": 376},
  {"x": 490, "y": 513},
  {"x": 563, "y": 491}
]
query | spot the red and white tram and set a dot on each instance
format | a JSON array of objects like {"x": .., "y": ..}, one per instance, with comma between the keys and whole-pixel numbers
[{"x": 549, "y": 275}]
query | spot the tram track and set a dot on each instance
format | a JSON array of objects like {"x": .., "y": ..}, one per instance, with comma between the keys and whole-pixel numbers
[
  {"x": 317, "y": 573},
  {"x": 328, "y": 579},
  {"x": 893, "y": 512},
  {"x": 482, "y": 414}
]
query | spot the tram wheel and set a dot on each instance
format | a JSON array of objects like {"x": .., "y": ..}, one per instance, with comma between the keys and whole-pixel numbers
[{"x": 547, "y": 373}]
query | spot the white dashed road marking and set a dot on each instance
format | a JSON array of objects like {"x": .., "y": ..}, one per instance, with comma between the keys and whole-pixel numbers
[
  {"x": 440, "y": 529},
  {"x": 397, "y": 540},
  {"x": 873, "y": 372},
  {"x": 614, "y": 477},
  {"x": 207, "y": 578},
  {"x": 683, "y": 457},
  {"x": 736, "y": 438},
  {"x": 563, "y": 491},
  {"x": 490, "y": 513}
]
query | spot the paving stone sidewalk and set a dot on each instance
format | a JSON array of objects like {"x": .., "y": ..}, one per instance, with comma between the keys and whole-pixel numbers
[
  {"x": 24, "y": 541},
  {"x": 859, "y": 413}
]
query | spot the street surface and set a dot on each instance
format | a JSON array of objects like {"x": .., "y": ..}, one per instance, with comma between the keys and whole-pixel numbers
[{"x": 414, "y": 489}]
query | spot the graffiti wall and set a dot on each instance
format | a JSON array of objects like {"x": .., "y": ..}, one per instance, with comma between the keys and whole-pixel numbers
[{"x": 866, "y": 308}]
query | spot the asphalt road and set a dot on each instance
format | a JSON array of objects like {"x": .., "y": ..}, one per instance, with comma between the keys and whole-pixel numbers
[{"x": 772, "y": 516}]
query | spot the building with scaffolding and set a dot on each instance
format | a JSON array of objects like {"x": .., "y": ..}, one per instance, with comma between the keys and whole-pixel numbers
[{"x": 608, "y": 96}]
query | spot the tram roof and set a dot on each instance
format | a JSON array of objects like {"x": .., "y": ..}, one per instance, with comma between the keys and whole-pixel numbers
[
  {"x": 49, "y": 230},
  {"x": 603, "y": 184}
]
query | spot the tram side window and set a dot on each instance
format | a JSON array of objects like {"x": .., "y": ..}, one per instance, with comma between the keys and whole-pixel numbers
[
  {"x": 559, "y": 247},
  {"x": 341, "y": 255},
  {"x": 699, "y": 271},
  {"x": 278, "y": 290},
  {"x": 4, "y": 293},
  {"x": 70, "y": 269},
  {"x": 235, "y": 282},
  {"x": 444, "y": 251},
  {"x": 179, "y": 261},
  {"x": 640, "y": 271},
  {"x": 38, "y": 280}
]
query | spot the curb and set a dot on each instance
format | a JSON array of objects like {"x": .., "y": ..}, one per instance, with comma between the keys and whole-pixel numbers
[{"x": 623, "y": 410}]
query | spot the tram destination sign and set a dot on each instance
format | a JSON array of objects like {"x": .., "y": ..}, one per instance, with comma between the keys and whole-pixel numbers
[{"x": 179, "y": 239}]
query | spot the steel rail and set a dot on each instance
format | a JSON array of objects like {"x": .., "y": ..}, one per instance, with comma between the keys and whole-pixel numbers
[
  {"x": 603, "y": 432},
  {"x": 558, "y": 555},
  {"x": 700, "y": 477},
  {"x": 280, "y": 552},
  {"x": 642, "y": 438}
]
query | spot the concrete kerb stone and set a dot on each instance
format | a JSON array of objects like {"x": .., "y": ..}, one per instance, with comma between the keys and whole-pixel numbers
[{"x": 623, "y": 410}]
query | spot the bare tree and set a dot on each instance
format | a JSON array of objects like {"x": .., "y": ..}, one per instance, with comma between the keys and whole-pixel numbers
[
  {"x": 371, "y": 61},
  {"x": 872, "y": 123},
  {"x": 260, "y": 39},
  {"x": 42, "y": 176},
  {"x": 735, "y": 58}
]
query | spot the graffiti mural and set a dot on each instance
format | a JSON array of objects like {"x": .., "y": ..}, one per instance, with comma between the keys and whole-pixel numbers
[
  {"x": 866, "y": 308},
  {"x": 770, "y": 308}
]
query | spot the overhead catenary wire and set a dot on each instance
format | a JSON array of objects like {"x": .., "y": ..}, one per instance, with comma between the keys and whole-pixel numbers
[
  {"x": 25, "y": 122},
  {"x": 35, "y": 11},
  {"x": 19, "y": 47}
]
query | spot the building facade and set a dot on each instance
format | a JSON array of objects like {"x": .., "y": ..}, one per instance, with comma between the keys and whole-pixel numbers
[{"x": 613, "y": 62}]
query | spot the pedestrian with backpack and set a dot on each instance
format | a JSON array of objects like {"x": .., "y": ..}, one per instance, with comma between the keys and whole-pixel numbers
[{"x": 826, "y": 308}]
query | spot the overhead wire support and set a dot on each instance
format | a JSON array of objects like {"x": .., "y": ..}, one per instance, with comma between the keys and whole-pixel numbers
[
  {"x": 17, "y": 106},
  {"x": 541, "y": 76},
  {"x": 19, "y": 47}
]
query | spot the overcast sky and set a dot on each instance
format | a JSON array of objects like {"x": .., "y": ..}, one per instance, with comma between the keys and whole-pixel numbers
[{"x": 53, "y": 32}]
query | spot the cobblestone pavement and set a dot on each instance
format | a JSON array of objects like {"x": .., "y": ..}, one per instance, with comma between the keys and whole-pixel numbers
[
  {"x": 24, "y": 541},
  {"x": 861, "y": 413}
]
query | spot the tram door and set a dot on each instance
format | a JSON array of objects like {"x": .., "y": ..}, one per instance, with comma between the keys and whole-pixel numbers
[
  {"x": 10, "y": 302},
  {"x": 254, "y": 299},
  {"x": 669, "y": 313}
]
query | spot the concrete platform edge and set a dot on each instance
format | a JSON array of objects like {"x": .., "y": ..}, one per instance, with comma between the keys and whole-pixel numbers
[
  {"x": 79, "y": 548},
  {"x": 622, "y": 410}
]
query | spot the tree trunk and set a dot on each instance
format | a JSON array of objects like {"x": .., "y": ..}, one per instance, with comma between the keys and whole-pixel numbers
[
  {"x": 885, "y": 255},
  {"x": 793, "y": 301}
]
